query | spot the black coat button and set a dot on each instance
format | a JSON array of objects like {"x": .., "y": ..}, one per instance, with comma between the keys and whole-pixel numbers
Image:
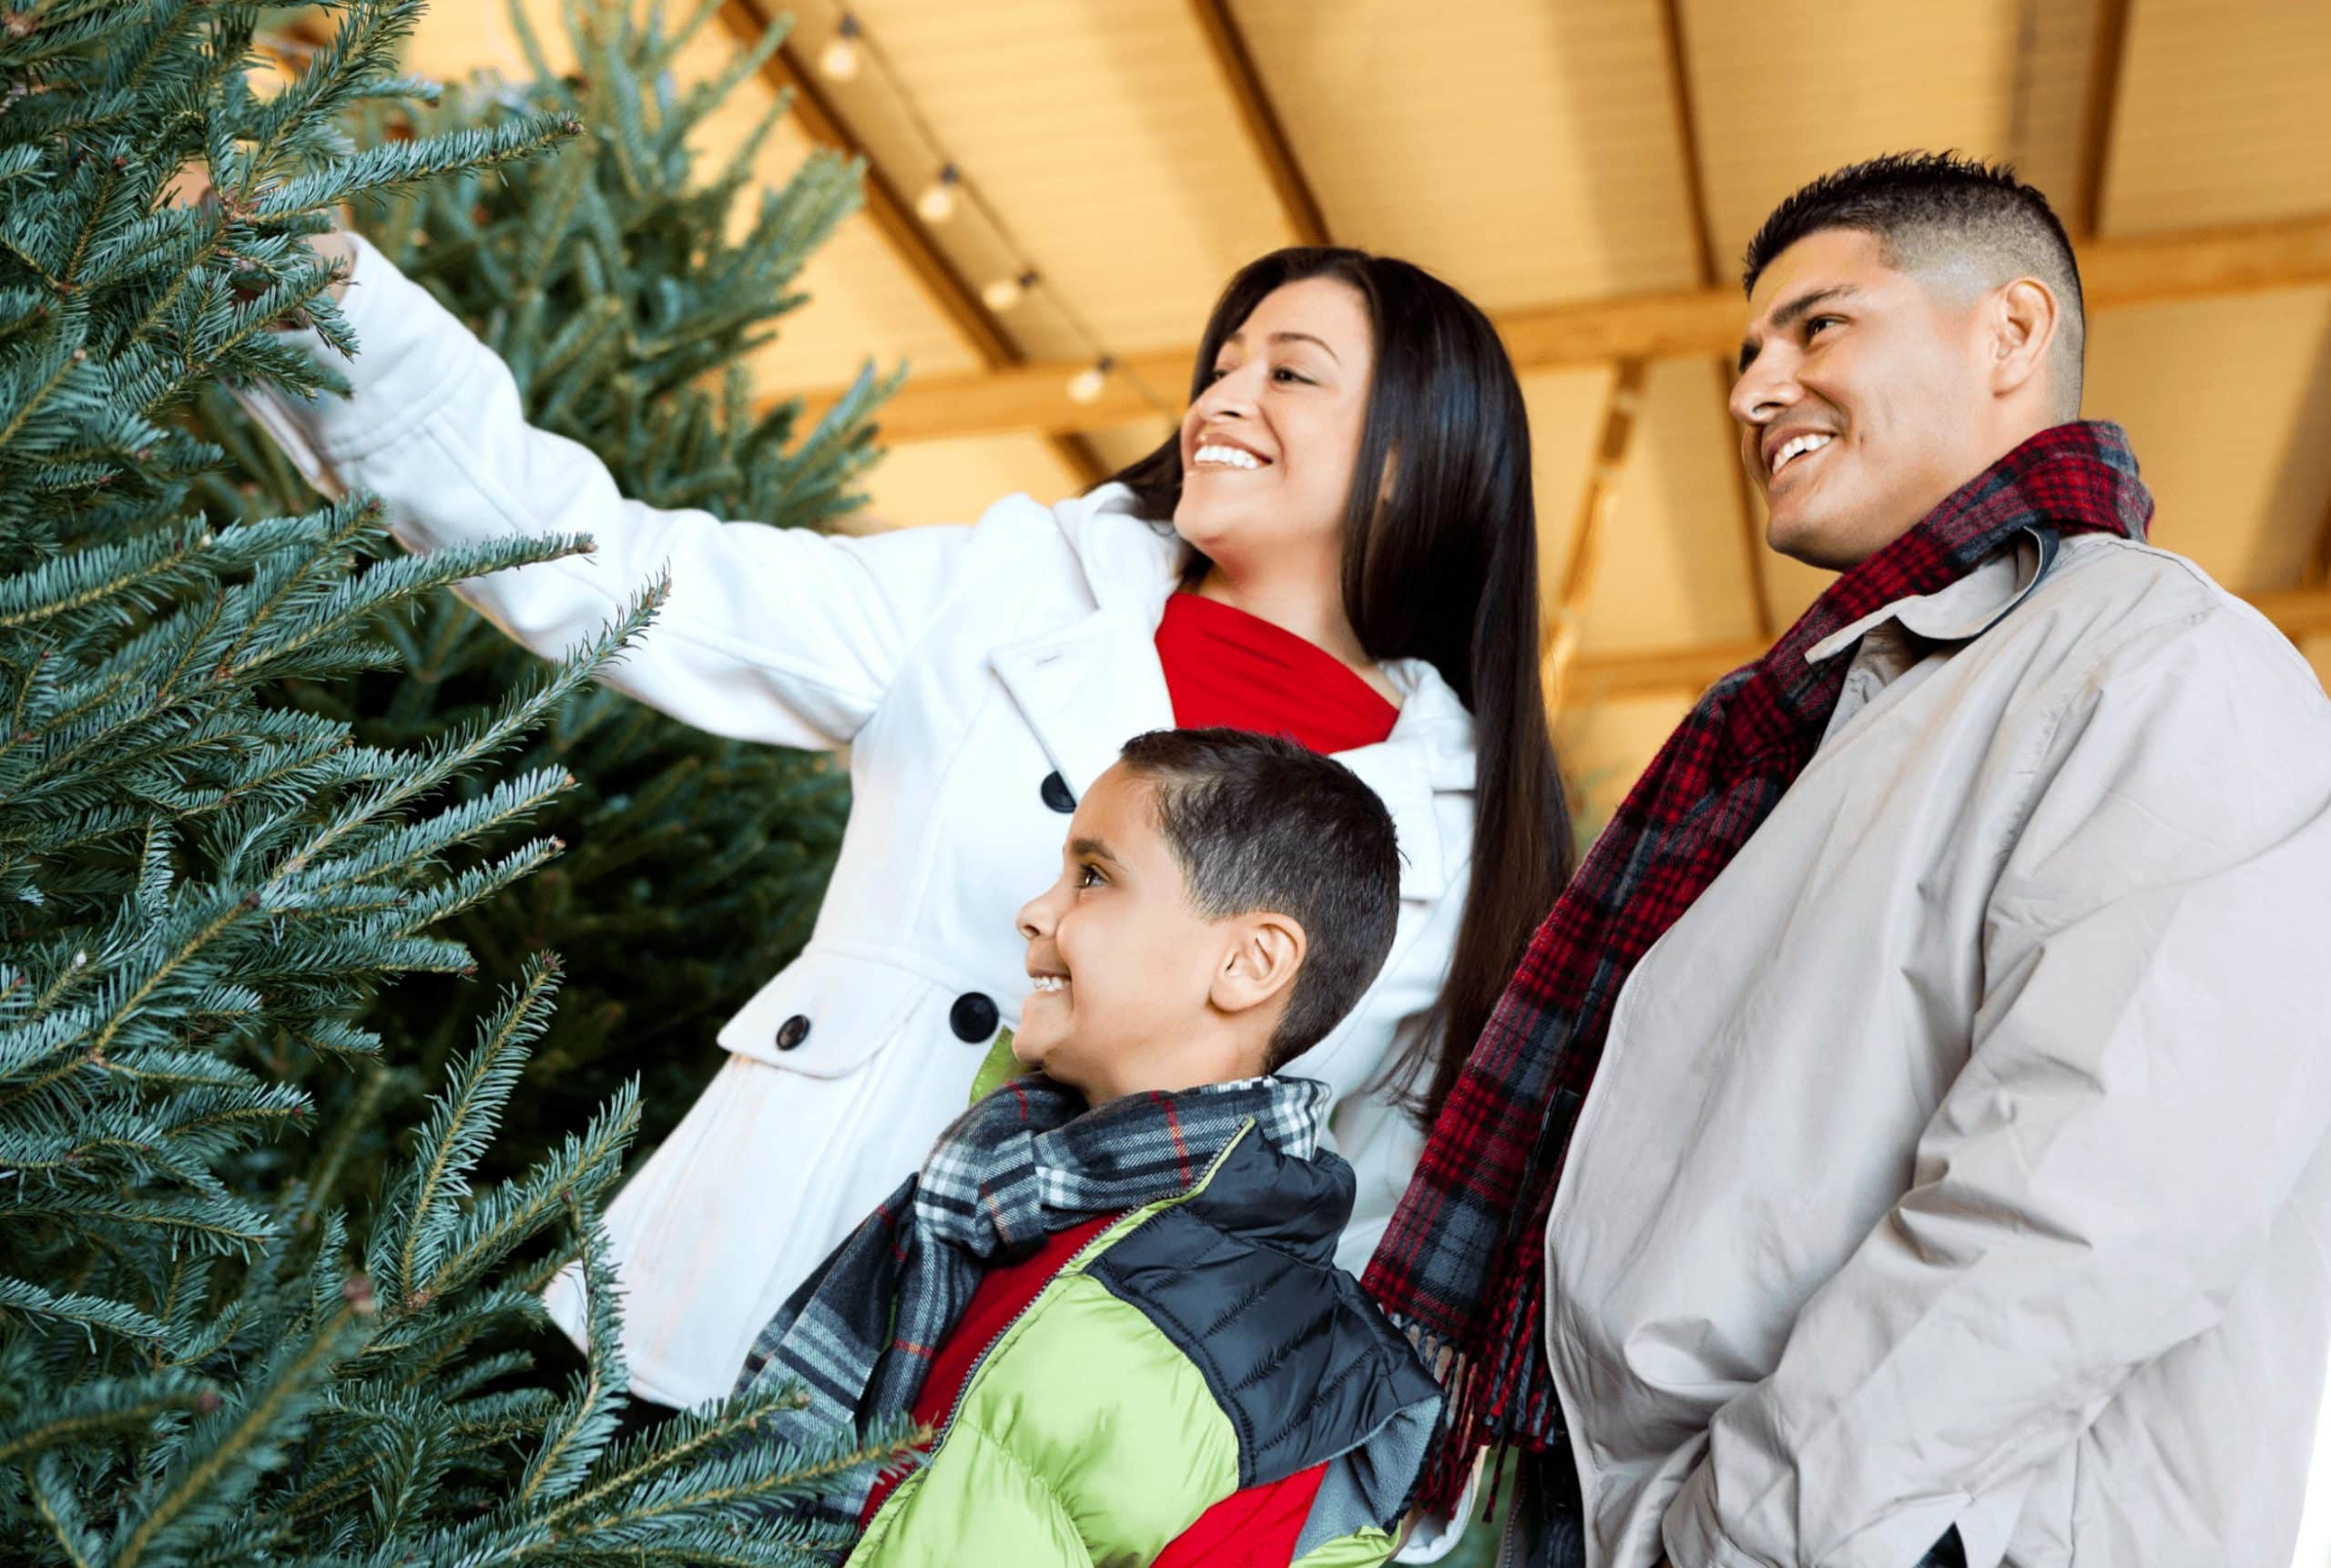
[
  {"x": 792, "y": 1031},
  {"x": 974, "y": 1018},
  {"x": 1055, "y": 790}
]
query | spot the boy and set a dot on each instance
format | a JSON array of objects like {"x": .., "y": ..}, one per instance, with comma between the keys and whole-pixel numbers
[{"x": 1111, "y": 1292}]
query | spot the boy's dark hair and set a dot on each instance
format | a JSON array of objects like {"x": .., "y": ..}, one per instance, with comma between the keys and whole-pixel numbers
[
  {"x": 1261, "y": 823},
  {"x": 1924, "y": 208}
]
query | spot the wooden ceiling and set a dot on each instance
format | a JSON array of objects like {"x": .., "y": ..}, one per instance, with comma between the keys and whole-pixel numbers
[{"x": 1588, "y": 170}]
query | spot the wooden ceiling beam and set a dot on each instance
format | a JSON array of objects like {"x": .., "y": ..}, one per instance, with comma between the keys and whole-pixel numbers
[
  {"x": 1745, "y": 531},
  {"x": 2297, "y": 613},
  {"x": 2116, "y": 274},
  {"x": 748, "y": 21},
  {"x": 2315, "y": 572},
  {"x": 1687, "y": 137},
  {"x": 1297, "y": 201},
  {"x": 2107, "y": 53},
  {"x": 1565, "y": 618},
  {"x": 1748, "y": 521},
  {"x": 892, "y": 216}
]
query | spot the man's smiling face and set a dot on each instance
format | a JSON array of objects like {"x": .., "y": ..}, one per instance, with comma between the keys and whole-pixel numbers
[{"x": 1861, "y": 397}]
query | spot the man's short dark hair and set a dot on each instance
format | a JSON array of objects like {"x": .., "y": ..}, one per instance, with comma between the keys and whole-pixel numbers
[
  {"x": 1927, "y": 208},
  {"x": 1258, "y": 824}
]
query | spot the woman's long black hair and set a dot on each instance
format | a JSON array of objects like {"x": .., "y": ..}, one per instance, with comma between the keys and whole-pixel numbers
[{"x": 1439, "y": 563}]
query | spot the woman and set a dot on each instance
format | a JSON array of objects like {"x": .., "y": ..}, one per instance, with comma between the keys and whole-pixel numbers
[{"x": 1338, "y": 543}]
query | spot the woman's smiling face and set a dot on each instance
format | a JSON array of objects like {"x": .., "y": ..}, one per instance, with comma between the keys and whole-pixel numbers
[{"x": 1269, "y": 447}]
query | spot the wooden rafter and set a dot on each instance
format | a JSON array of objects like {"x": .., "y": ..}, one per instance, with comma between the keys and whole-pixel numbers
[
  {"x": 2317, "y": 571},
  {"x": 1749, "y": 531},
  {"x": 2107, "y": 55},
  {"x": 1566, "y": 615},
  {"x": 2299, "y": 613},
  {"x": 748, "y": 21},
  {"x": 2117, "y": 273},
  {"x": 1227, "y": 45},
  {"x": 1687, "y": 137},
  {"x": 1697, "y": 206}
]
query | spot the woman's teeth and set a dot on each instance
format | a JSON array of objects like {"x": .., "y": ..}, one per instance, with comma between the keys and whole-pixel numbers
[
  {"x": 1051, "y": 983},
  {"x": 1796, "y": 447},
  {"x": 1227, "y": 458}
]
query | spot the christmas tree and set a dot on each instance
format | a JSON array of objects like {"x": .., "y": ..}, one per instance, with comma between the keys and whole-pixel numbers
[
  {"x": 618, "y": 285},
  {"x": 223, "y": 1337}
]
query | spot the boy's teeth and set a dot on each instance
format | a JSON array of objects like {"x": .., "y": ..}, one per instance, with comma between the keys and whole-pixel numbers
[
  {"x": 1049, "y": 983},
  {"x": 1227, "y": 457}
]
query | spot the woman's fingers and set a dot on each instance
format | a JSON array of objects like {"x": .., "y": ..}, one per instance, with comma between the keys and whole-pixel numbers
[
  {"x": 192, "y": 186},
  {"x": 338, "y": 248}
]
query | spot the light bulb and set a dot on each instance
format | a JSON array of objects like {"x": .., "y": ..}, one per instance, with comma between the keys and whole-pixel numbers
[
  {"x": 1087, "y": 384},
  {"x": 839, "y": 60},
  {"x": 1005, "y": 292},
  {"x": 937, "y": 202}
]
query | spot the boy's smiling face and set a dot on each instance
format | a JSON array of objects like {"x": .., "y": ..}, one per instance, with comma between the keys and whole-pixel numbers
[{"x": 1135, "y": 989}]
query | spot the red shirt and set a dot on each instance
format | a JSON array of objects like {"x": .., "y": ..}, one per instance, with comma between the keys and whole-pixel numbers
[{"x": 1225, "y": 668}]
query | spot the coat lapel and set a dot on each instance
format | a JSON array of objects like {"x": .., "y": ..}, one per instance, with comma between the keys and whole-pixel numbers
[{"x": 1088, "y": 689}]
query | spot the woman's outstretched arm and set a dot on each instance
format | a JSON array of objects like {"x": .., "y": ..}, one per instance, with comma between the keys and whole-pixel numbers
[{"x": 783, "y": 636}]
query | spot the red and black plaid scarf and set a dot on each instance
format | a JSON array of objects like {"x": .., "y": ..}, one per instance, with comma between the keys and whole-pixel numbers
[{"x": 1463, "y": 1261}]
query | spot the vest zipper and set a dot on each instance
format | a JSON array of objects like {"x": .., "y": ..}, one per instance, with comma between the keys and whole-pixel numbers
[{"x": 1073, "y": 1266}]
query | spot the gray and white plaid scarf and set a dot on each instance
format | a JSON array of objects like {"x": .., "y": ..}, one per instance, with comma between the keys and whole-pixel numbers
[{"x": 860, "y": 1333}]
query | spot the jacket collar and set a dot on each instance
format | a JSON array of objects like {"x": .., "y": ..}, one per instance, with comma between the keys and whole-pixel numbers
[
  {"x": 1290, "y": 1203},
  {"x": 1963, "y": 611},
  {"x": 1087, "y": 688}
]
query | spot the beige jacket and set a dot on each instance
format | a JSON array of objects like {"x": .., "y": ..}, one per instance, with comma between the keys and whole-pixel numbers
[{"x": 1960, "y": 1158}]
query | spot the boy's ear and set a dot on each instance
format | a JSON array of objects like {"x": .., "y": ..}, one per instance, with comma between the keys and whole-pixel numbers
[{"x": 1259, "y": 967}]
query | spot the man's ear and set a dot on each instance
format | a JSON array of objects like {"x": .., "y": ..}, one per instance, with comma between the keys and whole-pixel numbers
[
  {"x": 2022, "y": 320},
  {"x": 1258, "y": 963}
]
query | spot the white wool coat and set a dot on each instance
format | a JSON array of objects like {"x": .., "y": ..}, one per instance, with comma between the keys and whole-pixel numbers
[{"x": 979, "y": 677}]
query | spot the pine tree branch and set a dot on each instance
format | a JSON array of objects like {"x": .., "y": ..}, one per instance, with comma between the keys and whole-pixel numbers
[
  {"x": 579, "y": 1432},
  {"x": 354, "y": 1120},
  {"x": 498, "y": 1223},
  {"x": 698, "y": 1438},
  {"x": 465, "y": 750},
  {"x": 243, "y": 1435},
  {"x": 226, "y": 912},
  {"x": 28, "y": 1299},
  {"x": 48, "y": 1481},
  {"x": 463, "y": 1122},
  {"x": 103, "y": 575},
  {"x": 81, "y": 1416}
]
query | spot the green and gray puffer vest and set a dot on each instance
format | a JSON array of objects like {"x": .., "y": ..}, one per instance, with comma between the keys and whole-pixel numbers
[{"x": 1200, "y": 1345}]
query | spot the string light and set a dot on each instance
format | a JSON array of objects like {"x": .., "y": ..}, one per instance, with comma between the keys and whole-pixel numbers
[
  {"x": 937, "y": 202},
  {"x": 1087, "y": 384},
  {"x": 853, "y": 50},
  {"x": 839, "y": 59},
  {"x": 1005, "y": 292}
]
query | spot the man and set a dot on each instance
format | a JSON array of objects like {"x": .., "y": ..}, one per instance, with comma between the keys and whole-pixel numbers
[{"x": 1951, "y": 1186}]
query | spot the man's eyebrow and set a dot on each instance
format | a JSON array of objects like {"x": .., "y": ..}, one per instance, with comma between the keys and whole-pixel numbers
[
  {"x": 1091, "y": 850},
  {"x": 1794, "y": 311}
]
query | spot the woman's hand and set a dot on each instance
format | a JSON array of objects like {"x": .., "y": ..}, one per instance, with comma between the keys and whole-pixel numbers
[
  {"x": 338, "y": 250},
  {"x": 334, "y": 246}
]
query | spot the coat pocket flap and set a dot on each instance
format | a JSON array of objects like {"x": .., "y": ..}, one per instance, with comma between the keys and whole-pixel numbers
[{"x": 826, "y": 1014}]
